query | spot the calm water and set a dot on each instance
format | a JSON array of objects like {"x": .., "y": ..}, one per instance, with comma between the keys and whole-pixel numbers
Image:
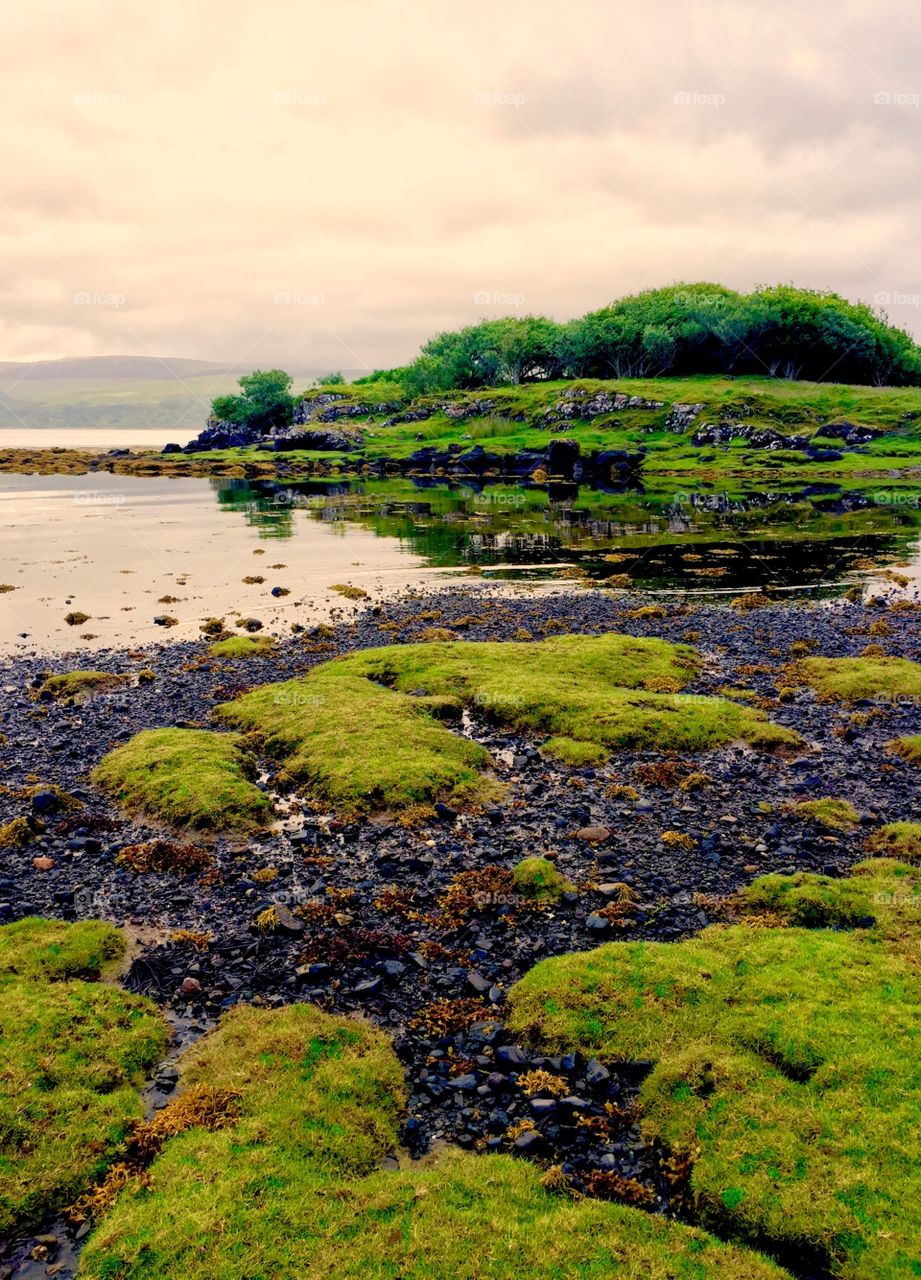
[{"x": 113, "y": 546}]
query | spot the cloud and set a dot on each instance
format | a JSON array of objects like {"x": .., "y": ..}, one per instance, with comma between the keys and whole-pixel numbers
[{"x": 381, "y": 164}]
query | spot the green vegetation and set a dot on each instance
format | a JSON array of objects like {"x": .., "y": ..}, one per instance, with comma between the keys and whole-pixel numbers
[
  {"x": 186, "y": 777},
  {"x": 539, "y": 878},
  {"x": 71, "y": 686},
  {"x": 242, "y": 647},
  {"x": 292, "y": 1185},
  {"x": 900, "y": 840},
  {"x": 810, "y": 901},
  {"x": 264, "y": 402},
  {"x": 850, "y": 679},
  {"x": 353, "y": 731},
  {"x": 74, "y": 1055},
  {"x": 908, "y": 748},
  {"x": 836, "y": 815},
  {"x": 785, "y": 1063},
  {"x": 682, "y": 329}
]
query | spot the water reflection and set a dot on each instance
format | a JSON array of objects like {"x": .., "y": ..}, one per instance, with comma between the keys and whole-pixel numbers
[{"x": 696, "y": 538}]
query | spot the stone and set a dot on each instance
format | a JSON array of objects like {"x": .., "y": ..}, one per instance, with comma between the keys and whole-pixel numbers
[{"x": 595, "y": 835}]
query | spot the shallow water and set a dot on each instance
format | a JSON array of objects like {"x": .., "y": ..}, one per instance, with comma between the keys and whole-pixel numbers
[{"x": 113, "y": 546}]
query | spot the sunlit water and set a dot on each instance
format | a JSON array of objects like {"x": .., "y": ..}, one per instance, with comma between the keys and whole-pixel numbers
[{"x": 113, "y": 547}]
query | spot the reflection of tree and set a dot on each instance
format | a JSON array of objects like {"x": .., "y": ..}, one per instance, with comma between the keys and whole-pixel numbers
[{"x": 793, "y": 538}]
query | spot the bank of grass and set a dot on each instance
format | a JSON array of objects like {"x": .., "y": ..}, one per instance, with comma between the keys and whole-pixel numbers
[
  {"x": 834, "y": 814},
  {"x": 242, "y": 647},
  {"x": 72, "y": 686},
  {"x": 186, "y": 777},
  {"x": 73, "y": 1056},
  {"x": 786, "y": 1063},
  {"x": 293, "y": 1186},
  {"x": 900, "y": 840},
  {"x": 909, "y": 748},
  {"x": 354, "y": 732},
  {"x": 852, "y": 679}
]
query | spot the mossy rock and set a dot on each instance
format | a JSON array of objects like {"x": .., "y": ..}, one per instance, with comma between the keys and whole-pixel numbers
[
  {"x": 74, "y": 686},
  {"x": 74, "y": 1056},
  {"x": 293, "y": 1186},
  {"x": 786, "y": 1064},
  {"x": 242, "y": 647},
  {"x": 539, "y": 878},
  {"x": 835, "y": 815},
  {"x": 854, "y": 679},
  {"x": 186, "y": 777},
  {"x": 351, "y": 730}
]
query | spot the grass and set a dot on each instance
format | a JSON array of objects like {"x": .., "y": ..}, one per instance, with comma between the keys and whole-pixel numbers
[
  {"x": 71, "y": 686},
  {"x": 540, "y": 879},
  {"x": 242, "y": 647},
  {"x": 785, "y": 1063},
  {"x": 853, "y": 679},
  {"x": 187, "y": 778},
  {"x": 900, "y": 840},
  {"x": 353, "y": 731},
  {"x": 908, "y": 748},
  {"x": 836, "y": 815},
  {"x": 292, "y": 1185},
  {"x": 72, "y": 1058}
]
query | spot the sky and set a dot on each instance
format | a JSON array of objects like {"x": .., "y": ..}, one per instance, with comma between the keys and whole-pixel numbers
[{"x": 327, "y": 183}]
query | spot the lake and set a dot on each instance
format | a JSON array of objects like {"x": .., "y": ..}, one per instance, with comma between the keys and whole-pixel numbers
[{"x": 116, "y": 548}]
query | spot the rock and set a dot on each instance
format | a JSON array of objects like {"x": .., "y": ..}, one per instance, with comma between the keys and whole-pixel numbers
[
  {"x": 596, "y": 1073},
  {"x": 190, "y": 986},
  {"x": 43, "y": 863},
  {"x": 370, "y": 987},
  {"x": 477, "y": 981},
  {"x": 172, "y": 448},
  {"x": 597, "y": 924},
  {"x": 288, "y": 922},
  {"x": 44, "y": 802},
  {"x": 595, "y": 835},
  {"x": 528, "y": 1142},
  {"x": 509, "y": 1055}
]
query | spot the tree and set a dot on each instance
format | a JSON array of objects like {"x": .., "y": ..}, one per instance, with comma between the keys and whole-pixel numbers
[{"x": 264, "y": 402}]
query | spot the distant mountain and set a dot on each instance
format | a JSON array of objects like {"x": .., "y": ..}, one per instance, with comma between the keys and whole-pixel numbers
[{"x": 121, "y": 391}]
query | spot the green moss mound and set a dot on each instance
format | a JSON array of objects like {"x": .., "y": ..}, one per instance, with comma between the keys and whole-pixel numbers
[
  {"x": 786, "y": 1064},
  {"x": 187, "y": 777},
  {"x": 850, "y": 679},
  {"x": 242, "y": 647},
  {"x": 293, "y": 1187},
  {"x": 810, "y": 901},
  {"x": 908, "y": 748},
  {"x": 900, "y": 840},
  {"x": 836, "y": 815},
  {"x": 353, "y": 730},
  {"x": 72, "y": 1057},
  {"x": 76, "y": 685},
  {"x": 539, "y": 878}
]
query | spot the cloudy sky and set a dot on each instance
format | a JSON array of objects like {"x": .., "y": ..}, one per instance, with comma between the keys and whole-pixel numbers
[{"x": 325, "y": 183}]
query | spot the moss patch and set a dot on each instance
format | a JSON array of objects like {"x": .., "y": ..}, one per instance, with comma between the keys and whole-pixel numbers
[
  {"x": 74, "y": 685},
  {"x": 73, "y": 1056},
  {"x": 908, "y": 748},
  {"x": 900, "y": 840},
  {"x": 292, "y": 1186},
  {"x": 242, "y": 647},
  {"x": 836, "y": 815},
  {"x": 353, "y": 730},
  {"x": 786, "y": 1063},
  {"x": 187, "y": 777},
  {"x": 850, "y": 679},
  {"x": 540, "y": 879}
]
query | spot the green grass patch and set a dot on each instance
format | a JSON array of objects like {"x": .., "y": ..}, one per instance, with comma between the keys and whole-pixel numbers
[
  {"x": 786, "y": 1063},
  {"x": 810, "y": 901},
  {"x": 72, "y": 1057},
  {"x": 836, "y": 815},
  {"x": 850, "y": 679},
  {"x": 908, "y": 748},
  {"x": 242, "y": 647},
  {"x": 900, "y": 840},
  {"x": 292, "y": 1187},
  {"x": 186, "y": 777},
  {"x": 75, "y": 685},
  {"x": 539, "y": 878},
  {"x": 353, "y": 730}
]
